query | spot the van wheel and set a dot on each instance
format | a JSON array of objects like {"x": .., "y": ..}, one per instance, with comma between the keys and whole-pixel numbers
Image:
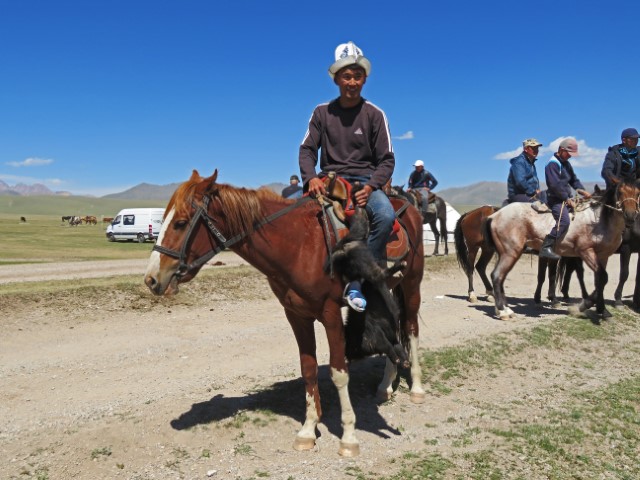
[
  {"x": 111, "y": 238},
  {"x": 141, "y": 238}
]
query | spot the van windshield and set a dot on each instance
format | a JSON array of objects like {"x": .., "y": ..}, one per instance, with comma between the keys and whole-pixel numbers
[{"x": 116, "y": 221}]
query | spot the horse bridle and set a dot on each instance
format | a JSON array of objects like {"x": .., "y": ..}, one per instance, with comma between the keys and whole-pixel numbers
[
  {"x": 202, "y": 212},
  {"x": 619, "y": 203}
]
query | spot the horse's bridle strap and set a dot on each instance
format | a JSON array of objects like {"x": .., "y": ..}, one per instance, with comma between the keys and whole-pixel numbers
[{"x": 202, "y": 211}]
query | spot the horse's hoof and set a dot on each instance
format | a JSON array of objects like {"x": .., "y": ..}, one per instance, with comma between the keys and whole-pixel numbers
[
  {"x": 556, "y": 304},
  {"x": 606, "y": 314},
  {"x": 503, "y": 315},
  {"x": 575, "y": 311},
  {"x": 349, "y": 449},
  {"x": 473, "y": 298},
  {"x": 490, "y": 298},
  {"x": 418, "y": 397},
  {"x": 303, "y": 443},
  {"x": 509, "y": 311},
  {"x": 618, "y": 304}
]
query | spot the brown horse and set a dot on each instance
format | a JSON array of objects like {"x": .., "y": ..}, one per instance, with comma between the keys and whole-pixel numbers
[
  {"x": 284, "y": 240},
  {"x": 469, "y": 238},
  {"x": 594, "y": 234}
]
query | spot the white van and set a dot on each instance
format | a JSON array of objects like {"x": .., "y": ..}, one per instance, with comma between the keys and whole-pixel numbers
[{"x": 139, "y": 224}]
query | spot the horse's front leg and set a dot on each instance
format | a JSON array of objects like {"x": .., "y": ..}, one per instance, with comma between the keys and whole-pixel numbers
[
  {"x": 305, "y": 337},
  {"x": 601, "y": 280},
  {"x": 636, "y": 289},
  {"x": 443, "y": 232},
  {"x": 436, "y": 236},
  {"x": 332, "y": 321},
  {"x": 542, "y": 273},
  {"x": 625, "y": 257}
]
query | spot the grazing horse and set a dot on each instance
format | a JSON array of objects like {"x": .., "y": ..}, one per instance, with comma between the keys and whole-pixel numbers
[
  {"x": 23, "y": 219},
  {"x": 469, "y": 238},
  {"x": 284, "y": 239},
  {"x": 594, "y": 234}
]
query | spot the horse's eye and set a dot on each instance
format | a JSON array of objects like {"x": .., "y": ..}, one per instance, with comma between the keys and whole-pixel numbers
[{"x": 180, "y": 224}]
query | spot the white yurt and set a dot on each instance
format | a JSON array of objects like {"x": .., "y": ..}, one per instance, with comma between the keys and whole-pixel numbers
[{"x": 452, "y": 218}]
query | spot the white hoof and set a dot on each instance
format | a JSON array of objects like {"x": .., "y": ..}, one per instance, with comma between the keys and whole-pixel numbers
[
  {"x": 473, "y": 298},
  {"x": 503, "y": 314},
  {"x": 490, "y": 297}
]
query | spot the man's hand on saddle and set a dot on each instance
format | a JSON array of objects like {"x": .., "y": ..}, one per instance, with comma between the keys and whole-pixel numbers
[
  {"x": 571, "y": 203},
  {"x": 584, "y": 193},
  {"x": 362, "y": 195},
  {"x": 316, "y": 187}
]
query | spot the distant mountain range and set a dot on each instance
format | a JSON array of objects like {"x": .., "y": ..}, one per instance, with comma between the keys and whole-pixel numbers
[
  {"x": 21, "y": 189},
  {"x": 481, "y": 193}
]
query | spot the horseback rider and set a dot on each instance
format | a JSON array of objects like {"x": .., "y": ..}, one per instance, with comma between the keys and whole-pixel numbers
[
  {"x": 354, "y": 139},
  {"x": 294, "y": 190},
  {"x": 621, "y": 161},
  {"x": 559, "y": 176},
  {"x": 423, "y": 181},
  {"x": 523, "y": 184}
]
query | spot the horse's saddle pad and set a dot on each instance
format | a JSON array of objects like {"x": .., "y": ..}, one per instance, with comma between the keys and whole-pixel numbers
[{"x": 398, "y": 244}]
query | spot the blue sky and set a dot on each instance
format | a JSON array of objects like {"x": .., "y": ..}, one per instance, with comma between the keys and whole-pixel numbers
[{"x": 98, "y": 96}]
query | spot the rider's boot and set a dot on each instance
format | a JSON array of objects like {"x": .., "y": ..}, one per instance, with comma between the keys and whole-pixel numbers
[{"x": 547, "y": 249}]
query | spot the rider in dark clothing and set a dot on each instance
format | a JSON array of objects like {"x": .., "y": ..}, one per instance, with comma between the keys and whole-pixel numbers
[
  {"x": 560, "y": 176},
  {"x": 621, "y": 161},
  {"x": 294, "y": 190},
  {"x": 423, "y": 181}
]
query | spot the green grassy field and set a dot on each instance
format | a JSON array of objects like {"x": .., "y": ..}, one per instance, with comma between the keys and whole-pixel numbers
[{"x": 44, "y": 238}]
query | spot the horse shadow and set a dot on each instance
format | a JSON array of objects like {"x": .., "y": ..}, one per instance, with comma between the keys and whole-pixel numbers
[
  {"x": 520, "y": 306},
  {"x": 276, "y": 398}
]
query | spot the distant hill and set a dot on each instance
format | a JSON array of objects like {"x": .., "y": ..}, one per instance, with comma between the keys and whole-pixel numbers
[
  {"x": 146, "y": 191},
  {"x": 481, "y": 193}
]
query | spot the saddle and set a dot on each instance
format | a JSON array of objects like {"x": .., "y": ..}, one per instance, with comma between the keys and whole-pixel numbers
[{"x": 339, "y": 205}]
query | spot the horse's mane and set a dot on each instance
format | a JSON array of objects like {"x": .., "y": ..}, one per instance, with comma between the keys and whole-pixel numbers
[{"x": 241, "y": 207}]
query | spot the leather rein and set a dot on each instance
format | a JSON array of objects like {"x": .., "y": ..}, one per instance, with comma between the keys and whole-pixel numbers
[{"x": 202, "y": 213}]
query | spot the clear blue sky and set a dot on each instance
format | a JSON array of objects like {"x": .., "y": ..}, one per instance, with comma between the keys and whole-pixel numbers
[{"x": 98, "y": 96}]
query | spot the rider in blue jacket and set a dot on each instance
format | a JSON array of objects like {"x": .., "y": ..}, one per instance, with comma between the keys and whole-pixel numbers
[{"x": 523, "y": 184}]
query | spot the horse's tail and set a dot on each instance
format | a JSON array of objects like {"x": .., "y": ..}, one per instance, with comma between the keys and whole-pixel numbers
[
  {"x": 486, "y": 233},
  {"x": 462, "y": 252},
  {"x": 560, "y": 270}
]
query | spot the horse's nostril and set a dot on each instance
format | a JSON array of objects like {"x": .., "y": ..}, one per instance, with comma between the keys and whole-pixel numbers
[{"x": 150, "y": 281}]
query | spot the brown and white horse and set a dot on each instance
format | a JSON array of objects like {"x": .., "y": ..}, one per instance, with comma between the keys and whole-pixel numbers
[
  {"x": 284, "y": 240},
  {"x": 594, "y": 234}
]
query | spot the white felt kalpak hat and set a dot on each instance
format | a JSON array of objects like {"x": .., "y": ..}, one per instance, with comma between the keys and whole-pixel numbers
[{"x": 349, "y": 54}]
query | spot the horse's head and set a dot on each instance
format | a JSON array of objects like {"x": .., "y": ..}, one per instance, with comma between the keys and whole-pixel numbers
[
  {"x": 184, "y": 244},
  {"x": 627, "y": 199}
]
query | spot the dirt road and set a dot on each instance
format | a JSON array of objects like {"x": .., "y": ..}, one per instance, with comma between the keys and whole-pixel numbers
[{"x": 124, "y": 385}]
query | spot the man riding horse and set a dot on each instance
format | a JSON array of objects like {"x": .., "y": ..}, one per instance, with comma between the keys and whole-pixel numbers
[
  {"x": 422, "y": 181},
  {"x": 353, "y": 137}
]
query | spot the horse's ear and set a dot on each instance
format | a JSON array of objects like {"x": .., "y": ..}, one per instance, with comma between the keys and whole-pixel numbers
[
  {"x": 194, "y": 175},
  {"x": 596, "y": 188},
  {"x": 210, "y": 183}
]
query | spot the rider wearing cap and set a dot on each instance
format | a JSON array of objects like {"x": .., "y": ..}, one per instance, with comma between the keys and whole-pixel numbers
[
  {"x": 560, "y": 176},
  {"x": 294, "y": 190},
  {"x": 523, "y": 184},
  {"x": 421, "y": 180},
  {"x": 621, "y": 161},
  {"x": 353, "y": 137}
]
